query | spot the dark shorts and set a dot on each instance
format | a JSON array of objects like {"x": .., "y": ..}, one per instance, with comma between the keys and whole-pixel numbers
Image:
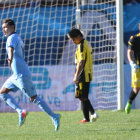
[{"x": 82, "y": 90}]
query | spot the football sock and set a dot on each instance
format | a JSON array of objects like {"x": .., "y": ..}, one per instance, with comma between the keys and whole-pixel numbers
[
  {"x": 90, "y": 107},
  {"x": 132, "y": 96},
  {"x": 44, "y": 107},
  {"x": 10, "y": 101},
  {"x": 85, "y": 109}
]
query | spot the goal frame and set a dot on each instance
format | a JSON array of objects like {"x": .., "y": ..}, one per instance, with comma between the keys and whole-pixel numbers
[{"x": 120, "y": 51}]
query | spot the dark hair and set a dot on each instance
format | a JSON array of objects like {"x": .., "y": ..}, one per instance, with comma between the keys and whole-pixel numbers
[
  {"x": 10, "y": 22},
  {"x": 74, "y": 33}
]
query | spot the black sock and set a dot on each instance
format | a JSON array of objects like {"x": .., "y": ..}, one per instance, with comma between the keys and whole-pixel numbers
[
  {"x": 90, "y": 107},
  {"x": 85, "y": 109},
  {"x": 132, "y": 96}
]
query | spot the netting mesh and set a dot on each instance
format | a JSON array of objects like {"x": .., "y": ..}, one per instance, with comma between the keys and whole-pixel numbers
[{"x": 43, "y": 26}]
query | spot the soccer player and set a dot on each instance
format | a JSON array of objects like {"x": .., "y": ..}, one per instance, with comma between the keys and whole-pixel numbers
[
  {"x": 83, "y": 74},
  {"x": 21, "y": 77},
  {"x": 133, "y": 54}
]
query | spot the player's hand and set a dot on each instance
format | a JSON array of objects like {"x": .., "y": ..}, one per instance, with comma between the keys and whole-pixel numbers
[{"x": 134, "y": 65}]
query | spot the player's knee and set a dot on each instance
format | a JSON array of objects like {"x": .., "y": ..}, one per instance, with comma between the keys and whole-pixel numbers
[
  {"x": 136, "y": 90},
  {"x": 4, "y": 90},
  {"x": 33, "y": 98}
]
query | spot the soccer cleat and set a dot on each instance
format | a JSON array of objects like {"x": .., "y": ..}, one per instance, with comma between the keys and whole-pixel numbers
[
  {"x": 127, "y": 108},
  {"x": 93, "y": 117},
  {"x": 56, "y": 122},
  {"x": 22, "y": 117},
  {"x": 83, "y": 121}
]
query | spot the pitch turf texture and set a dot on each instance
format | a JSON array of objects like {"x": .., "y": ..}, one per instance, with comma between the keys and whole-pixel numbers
[{"x": 111, "y": 125}]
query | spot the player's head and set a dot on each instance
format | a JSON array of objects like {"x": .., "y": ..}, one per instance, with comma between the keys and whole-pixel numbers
[
  {"x": 8, "y": 26},
  {"x": 75, "y": 35}
]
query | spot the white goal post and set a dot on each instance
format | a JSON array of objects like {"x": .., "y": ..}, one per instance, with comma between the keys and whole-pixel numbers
[
  {"x": 120, "y": 54},
  {"x": 119, "y": 46},
  {"x": 43, "y": 26}
]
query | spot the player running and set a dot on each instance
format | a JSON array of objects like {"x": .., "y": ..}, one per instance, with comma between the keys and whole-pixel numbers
[{"x": 21, "y": 77}]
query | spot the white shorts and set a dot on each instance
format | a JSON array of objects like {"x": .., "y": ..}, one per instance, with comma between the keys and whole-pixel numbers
[{"x": 20, "y": 82}]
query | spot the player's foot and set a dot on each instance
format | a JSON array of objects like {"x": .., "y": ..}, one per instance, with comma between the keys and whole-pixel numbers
[
  {"x": 127, "y": 108},
  {"x": 83, "y": 121},
  {"x": 93, "y": 117},
  {"x": 56, "y": 122},
  {"x": 22, "y": 117}
]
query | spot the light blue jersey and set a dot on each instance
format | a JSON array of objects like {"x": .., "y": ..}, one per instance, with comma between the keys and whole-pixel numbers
[
  {"x": 19, "y": 66},
  {"x": 21, "y": 77}
]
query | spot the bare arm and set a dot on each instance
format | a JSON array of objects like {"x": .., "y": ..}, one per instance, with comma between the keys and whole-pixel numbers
[
  {"x": 10, "y": 58},
  {"x": 129, "y": 55},
  {"x": 78, "y": 71}
]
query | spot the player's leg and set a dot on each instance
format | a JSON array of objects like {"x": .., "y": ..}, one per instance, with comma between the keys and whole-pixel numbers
[
  {"x": 29, "y": 90},
  {"x": 44, "y": 107},
  {"x": 84, "y": 107},
  {"x": 132, "y": 96},
  {"x": 83, "y": 96},
  {"x": 94, "y": 115},
  {"x": 9, "y": 99},
  {"x": 7, "y": 87},
  {"x": 135, "y": 83}
]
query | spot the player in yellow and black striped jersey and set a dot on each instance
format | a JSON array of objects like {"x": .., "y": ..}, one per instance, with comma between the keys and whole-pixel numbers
[
  {"x": 83, "y": 73},
  {"x": 133, "y": 55}
]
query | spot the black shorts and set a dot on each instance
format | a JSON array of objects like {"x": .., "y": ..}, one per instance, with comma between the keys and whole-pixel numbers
[{"x": 82, "y": 90}]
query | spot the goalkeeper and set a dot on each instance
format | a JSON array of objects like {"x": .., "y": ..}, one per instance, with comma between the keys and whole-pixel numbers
[
  {"x": 83, "y": 74},
  {"x": 133, "y": 55},
  {"x": 21, "y": 78}
]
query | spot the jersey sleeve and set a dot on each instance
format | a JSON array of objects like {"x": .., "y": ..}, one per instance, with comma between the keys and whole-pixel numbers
[
  {"x": 11, "y": 41},
  {"x": 131, "y": 43},
  {"x": 82, "y": 52}
]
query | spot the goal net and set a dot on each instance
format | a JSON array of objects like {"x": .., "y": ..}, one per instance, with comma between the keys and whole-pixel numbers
[{"x": 43, "y": 26}]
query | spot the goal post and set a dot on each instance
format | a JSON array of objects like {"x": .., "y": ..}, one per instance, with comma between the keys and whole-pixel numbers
[
  {"x": 119, "y": 45},
  {"x": 78, "y": 16},
  {"x": 120, "y": 54}
]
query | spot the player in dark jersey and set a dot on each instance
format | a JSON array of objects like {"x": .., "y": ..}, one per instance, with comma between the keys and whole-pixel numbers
[
  {"x": 83, "y": 74},
  {"x": 133, "y": 55}
]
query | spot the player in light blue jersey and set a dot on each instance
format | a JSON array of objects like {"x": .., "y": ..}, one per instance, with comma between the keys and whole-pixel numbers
[{"x": 21, "y": 77}]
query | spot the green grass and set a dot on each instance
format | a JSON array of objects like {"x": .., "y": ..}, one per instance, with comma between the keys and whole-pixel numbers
[{"x": 38, "y": 126}]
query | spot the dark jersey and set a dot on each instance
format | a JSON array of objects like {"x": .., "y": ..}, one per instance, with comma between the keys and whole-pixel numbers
[{"x": 134, "y": 44}]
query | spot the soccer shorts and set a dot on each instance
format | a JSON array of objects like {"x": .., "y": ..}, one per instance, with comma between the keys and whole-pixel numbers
[
  {"x": 20, "y": 82},
  {"x": 135, "y": 78},
  {"x": 82, "y": 90}
]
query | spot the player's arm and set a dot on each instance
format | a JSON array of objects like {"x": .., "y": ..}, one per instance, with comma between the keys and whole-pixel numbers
[
  {"x": 130, "y": 59},
  {"x": 79, "y": 70},
  {"x": 130, "y": 51},
  {"x": 129, "y": 55},
  {"x": 10, "y": 57}
]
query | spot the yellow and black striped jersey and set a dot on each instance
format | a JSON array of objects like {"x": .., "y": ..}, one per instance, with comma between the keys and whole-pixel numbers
[
  {"x": 134, "y": 44},
  {"x": 84, "y": 52}
]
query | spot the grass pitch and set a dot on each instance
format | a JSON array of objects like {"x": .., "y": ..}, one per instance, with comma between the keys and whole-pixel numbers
[{"x": 111, "y": 125}]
